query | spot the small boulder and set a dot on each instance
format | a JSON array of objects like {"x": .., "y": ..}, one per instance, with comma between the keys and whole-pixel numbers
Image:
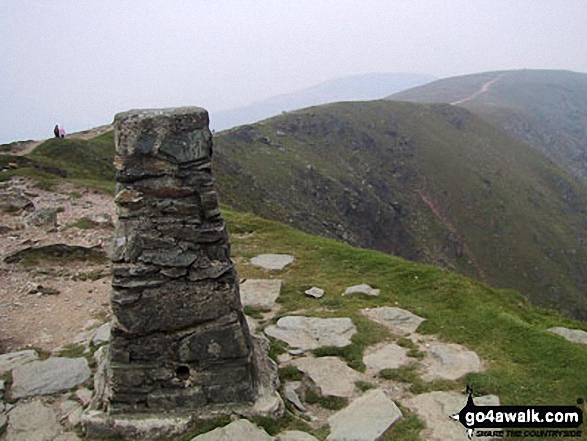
[{"x": 314, "y": 292}]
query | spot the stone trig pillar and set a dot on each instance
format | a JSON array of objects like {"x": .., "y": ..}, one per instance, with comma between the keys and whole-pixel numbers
[{"x": 179, "y": 339}]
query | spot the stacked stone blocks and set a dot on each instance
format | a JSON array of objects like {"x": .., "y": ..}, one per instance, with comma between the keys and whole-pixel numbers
[{"x": 180, "y": 339}]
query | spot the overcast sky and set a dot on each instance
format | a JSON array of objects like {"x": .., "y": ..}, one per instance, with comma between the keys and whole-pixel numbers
[{"x": 78, "y": 62}]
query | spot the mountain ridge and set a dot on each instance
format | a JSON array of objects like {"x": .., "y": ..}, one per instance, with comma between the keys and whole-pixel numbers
[
  {"x": 351, "y": 88},
  {"x": 544, "y": 108}
]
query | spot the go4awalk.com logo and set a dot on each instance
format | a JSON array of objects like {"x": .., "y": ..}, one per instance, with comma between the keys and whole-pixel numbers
[{"x": 520, "y": 421}]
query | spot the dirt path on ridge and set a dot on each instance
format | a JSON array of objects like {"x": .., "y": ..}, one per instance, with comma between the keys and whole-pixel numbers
[{"x": 484, "y": 88}]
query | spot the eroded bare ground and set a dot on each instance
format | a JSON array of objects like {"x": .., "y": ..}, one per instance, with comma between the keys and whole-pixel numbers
[{"x": 46, "y": 300}]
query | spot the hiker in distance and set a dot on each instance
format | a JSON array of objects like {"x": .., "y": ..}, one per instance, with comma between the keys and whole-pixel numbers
[{"x": 56, "y": 131}]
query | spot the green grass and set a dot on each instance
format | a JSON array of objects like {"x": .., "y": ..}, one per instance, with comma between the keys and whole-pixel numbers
[
  {"x": 468, "y": 196},
  {"x": 525, "y": 363}
]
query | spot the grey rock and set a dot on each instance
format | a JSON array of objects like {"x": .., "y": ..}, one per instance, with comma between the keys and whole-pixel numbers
[
  {"x": 3, "y": 420},
  {"x": 449, "y": 361},
  {"x": 15, "y": 203},
  {"x": 260, "y": 293},
  {"x": 295, "y": 435},
  {"x": 330, "y": 374},
  {"x": 314, "y": 292},
  {"x": 390, "y": 356},
  {"x": 44, "y": 217},
  {"x": 32, "y": 421},
  {"x": 14, "y": 359},
  {"x": 434, "y": 409},
  {"x": 361, "y": 289},
  {"x": 365, "y": 419},
  {"x": 312, "y": 332},
  {"x": 100, "y": 218},
  {"x": 239, "y": 430},
  {"x": 84, "y": 395},
  {"x": 102, "y": 334},
  {"x": 399, "y": 320},
  {"x": 291, "y": 394},
  {"x": 48, "y": 376},
  {"x": 574, "y": 335},
  {"x": 68, "y": 436},
  {"x": 272, "y": 261},
  {"x": 71, "y": 412},
  {"x": 143, "y": 427}
]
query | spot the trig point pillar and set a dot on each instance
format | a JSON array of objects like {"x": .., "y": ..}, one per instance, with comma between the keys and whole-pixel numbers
[{"x": 179, "y": 341}]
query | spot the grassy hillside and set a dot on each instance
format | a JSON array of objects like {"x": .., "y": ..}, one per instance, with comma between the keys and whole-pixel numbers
[
  {"x": 87, "y": 162},
  {"x": 547, "y": 109},
  {"x": 525, "y": 364},
  {"x": 430, "y": 183},
  {"x": 434, "y": 184}
]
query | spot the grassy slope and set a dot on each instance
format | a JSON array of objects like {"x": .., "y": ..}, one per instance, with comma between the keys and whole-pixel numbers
[
  {"x": 86, "y": 162},
  {"x": 547, "y": 109},
  {"x": 369, "y": 173},
  {"x": 525, "y": 364},
  {"x": 365, "y": 172}
]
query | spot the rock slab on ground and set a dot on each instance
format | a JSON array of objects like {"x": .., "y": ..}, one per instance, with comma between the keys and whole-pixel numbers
[
  {"x": 239, "y": 430},
  {"x": 314, "y": 292},
  {"x": 434, "y": 409},
  {"x": 399, "y": 320},
  {"x": 260, "y": 293},
  {"x": 32, "y": 421},
  {"x": 295, "y": 435},
  {"x": 449, "y": 361},
  {"x": 574, "y": 335},
  {"x": 14, "y": 359},
  {"x": 48, "y": 376},
  {"x": 361, "y": 289},
  {"x": 330, "y": 374},
  {"x": 102, "y": 334},
  {"x": 365, "y": 419},
  {"x": 272, "y": 261},
  {"x": 390, "y": 356},
  {"x": 313, "y": 332}
]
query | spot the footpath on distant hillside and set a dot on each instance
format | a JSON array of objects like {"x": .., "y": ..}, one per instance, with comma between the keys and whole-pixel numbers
[{"x": 484, "y": 88}]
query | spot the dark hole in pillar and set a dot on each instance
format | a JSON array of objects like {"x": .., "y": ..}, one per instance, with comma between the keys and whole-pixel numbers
[{"x": 182, "y": 372}]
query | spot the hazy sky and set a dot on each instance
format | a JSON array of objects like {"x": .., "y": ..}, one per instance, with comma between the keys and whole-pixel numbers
[{"x": 78, "y": 62}]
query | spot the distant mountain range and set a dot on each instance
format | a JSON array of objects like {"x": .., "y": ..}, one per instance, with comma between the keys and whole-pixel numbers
[
  {"x": 545, "y": 108},
  {"x": 353, "y": 88}
]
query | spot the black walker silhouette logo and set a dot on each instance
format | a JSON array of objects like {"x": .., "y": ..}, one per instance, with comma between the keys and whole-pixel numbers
[{"x": 500, "y": 418}]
